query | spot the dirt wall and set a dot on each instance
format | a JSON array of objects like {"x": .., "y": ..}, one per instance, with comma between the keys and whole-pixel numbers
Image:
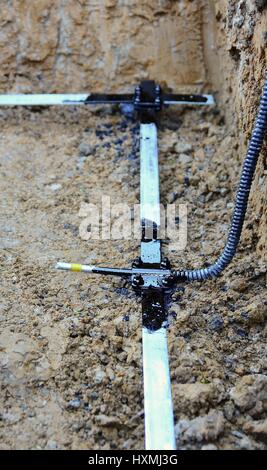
[
  {"x": 77, "y": 45},
  {"x": 237, "y": 32}
]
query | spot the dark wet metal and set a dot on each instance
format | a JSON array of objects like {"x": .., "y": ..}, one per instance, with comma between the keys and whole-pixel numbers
[
  {"x": 105, "y": 98},
  {"x": 147, "y": 99},
  {"x": 172, "y": 97},
  {"x": 153, "y": 308}
]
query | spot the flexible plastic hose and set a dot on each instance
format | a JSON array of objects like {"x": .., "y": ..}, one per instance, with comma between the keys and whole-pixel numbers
[{"x": 242, "y": 196}]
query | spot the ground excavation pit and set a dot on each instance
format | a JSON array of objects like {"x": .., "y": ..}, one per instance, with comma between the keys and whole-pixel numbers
[{"x": 70, "y": 344}]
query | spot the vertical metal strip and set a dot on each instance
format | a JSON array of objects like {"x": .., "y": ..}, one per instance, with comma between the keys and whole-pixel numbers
[
  {"x": 150, "y": 199},
  {"x": 159, "y": 424}
]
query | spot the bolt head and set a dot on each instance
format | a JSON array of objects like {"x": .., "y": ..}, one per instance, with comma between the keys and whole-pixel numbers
[
  {"x": 165, "y": 263},
  {"x": 167, "y": 281},
  {"x": 137, "y": 280}
]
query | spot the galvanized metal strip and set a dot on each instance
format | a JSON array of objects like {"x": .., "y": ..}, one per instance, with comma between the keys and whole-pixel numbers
[
  {"x": 159, "y": 427},
  {"x": 149, "y": 178},
  {"x": 149, "y": 189},
  {"x": 52, "y": 99}
]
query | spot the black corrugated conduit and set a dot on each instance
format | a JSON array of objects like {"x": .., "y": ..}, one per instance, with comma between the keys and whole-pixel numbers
[{"x": 242, "y": 196}]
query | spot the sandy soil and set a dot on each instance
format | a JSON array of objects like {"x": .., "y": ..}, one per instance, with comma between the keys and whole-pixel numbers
[{"x": 70, "y": 364}]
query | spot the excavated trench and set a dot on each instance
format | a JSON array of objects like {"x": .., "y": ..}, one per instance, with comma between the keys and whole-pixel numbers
[{"x": 70, "y": 345}]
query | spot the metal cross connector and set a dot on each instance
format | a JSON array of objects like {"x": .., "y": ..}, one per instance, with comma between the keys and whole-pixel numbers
[{"x": 147, "y": 95}]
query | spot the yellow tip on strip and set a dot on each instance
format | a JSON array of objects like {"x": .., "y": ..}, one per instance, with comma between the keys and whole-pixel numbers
[{"x": 75, "y": 267}]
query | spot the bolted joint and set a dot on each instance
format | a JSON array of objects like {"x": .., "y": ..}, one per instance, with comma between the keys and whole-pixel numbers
[
  {"x": 165, "y": 263},
  {"x": 137, "y": 280},
  {"x": 147, "y": 99},
  {"x": 168, "y": 281}
]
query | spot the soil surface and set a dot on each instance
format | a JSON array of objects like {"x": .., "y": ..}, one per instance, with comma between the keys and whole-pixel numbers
[{"x": 70, "y": 344}]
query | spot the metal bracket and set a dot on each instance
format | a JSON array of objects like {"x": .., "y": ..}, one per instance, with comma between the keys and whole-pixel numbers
[
  {"x": 147, "y": 96},
  {"x": 142, "y": 276}
]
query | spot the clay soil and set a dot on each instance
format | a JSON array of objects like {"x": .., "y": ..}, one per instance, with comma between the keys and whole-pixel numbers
[{"x": 70, "y": 344}]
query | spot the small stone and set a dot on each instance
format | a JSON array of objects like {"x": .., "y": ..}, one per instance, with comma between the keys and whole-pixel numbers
[
  {"x": 76, "y": 427},
  {"x": 237, "y": 434},
  {"x": 55, "y": 186},
  {"x": 239, "y": 285},
  {"x": 250, "y": 394},
  {"x": 94, "y": 395},
  {"x": 230, "y": 205},
  {"x": 200, "y": 154},
  {"x": 51, "y": 445},
  {"x": 228, "y": 410},
  {"x": 185, "y": 159},
  {"x": 172, "y": 197},
  {"x": 85, "y": 150},
  {"x": 183, "y": 147},
  {"x": 80, "y": 163},
  {"x": 99, "y": 376},
  {"x": 257, "y": 428},
  {"x": 203, "y": 428},
  {"x": 216, "y": 324},
  {"x": 238, "y": 21},
  {"x": 209, "y": 447},
  {"x": 108, "y": 421},
  {"x": 246, "y": 444},
  {"x": 194, "y": 180},
  {"x": 224, "y": 191},
  {"x": 76, "y": 403},
  {"x": 254, "y": 313},
  {"x": 182, "y": 316},
  {"x": 241, "y": 332},
  {"x": 10, "y": 418}
]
